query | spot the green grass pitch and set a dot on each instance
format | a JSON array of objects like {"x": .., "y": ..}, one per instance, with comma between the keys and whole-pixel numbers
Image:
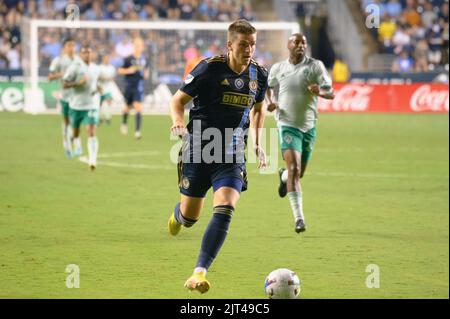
[{"x": 376, "y": 192}]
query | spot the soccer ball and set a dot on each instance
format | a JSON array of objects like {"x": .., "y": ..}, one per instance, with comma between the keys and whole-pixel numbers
[{"x": 282, "y": 284}]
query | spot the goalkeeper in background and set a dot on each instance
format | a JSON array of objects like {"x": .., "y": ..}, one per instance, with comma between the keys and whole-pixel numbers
[
  {"x": 301, "y": 81},
  {"x": 58, "y": 67},
  {"x": 135, "y": 69}
]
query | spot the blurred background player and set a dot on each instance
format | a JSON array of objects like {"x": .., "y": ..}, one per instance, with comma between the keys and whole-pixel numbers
[
  {"x": 217, "y": 85},
  {"x": 135, "y": 70},
  {"x": 82, "y": 76},
  {"x": 301, "y": 80},
  {"x": 106, "y": 80},
  {"x": 57, "y": 69}
]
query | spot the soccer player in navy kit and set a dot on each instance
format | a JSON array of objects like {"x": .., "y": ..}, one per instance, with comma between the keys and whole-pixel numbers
[
  {"x": 228, "y": 93},
  {"x": 135, "y": 70}
]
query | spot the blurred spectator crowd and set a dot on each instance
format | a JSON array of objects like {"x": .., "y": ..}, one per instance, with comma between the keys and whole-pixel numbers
[
  {"x": 415, "y": 31},
  {"x": 117, "y": 43}
]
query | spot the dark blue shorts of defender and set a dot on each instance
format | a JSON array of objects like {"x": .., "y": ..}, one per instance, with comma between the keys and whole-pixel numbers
[
  {"x": 132, "y": 95},
  {"x": 197, "y": 178}
]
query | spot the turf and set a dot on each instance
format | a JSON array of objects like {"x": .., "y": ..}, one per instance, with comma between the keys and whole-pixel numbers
[{"x": 376, "y": 192}]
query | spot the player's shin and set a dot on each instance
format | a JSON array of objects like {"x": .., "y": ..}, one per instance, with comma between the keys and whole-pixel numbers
[
  {"x": 92, "y": 150},
  {"x": 138, "y": 121},
  {"x": 107, "y": 112},
  {"x": 77, "y": 148},
  {"x": 295, "y": 198},
  {"x": 124, "y": 118},
  {"x": 214, "y": 236},
  {"x": 66, "y": 138}
]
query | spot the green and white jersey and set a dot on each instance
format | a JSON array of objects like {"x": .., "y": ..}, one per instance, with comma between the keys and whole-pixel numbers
[
  {"x": 61, "y": 64},
  {"x": 84, "y": 97},
  {"x": 107, "y": 74},
  {"x": 297, "y": 107}
]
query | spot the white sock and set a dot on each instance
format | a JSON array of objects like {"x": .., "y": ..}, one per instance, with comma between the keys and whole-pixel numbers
[
  {"x": 295, "y": 198},
  {"x": 106, "y": 112},
  {"x": 200, "y": 269},
  {"x": 64, "y": 135},
  {"x": 69, "y": 137},
  {"x": 284, "y": 176},
  {"x": 77, "y": 145},
  {"x": 92, "y": 150}
]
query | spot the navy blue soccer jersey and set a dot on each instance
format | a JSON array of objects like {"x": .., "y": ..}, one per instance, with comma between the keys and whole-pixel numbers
[
  {"x": 222, "y": 98},
  {"x": 135, "y": 81}
]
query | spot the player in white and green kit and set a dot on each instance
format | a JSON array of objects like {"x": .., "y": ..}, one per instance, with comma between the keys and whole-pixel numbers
[
  {"x": 82, "y": 76},
  {"x": 107, "y": 74},
  {"x": 57, "y": 69},
  {"x": 301, "y": 80}
]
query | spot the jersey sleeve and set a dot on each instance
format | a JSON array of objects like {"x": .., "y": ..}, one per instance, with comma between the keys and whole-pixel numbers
[
  {"x": 272, "y": 81},
  {"x": 190, "y": 85},
  {"x": 54, "y": 66},
  {"x": 263, "y": 83},
  {"x": 322, "y": 77}
]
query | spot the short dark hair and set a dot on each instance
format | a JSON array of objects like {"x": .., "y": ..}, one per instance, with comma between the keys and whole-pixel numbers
[
  {"x": 85, "y": 46},
  {"x": 68, "y": 39},
  {"x": 240, "y": 26}
]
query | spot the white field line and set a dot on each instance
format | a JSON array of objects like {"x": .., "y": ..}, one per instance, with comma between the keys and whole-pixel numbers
[{"x": 84, "y": 159}]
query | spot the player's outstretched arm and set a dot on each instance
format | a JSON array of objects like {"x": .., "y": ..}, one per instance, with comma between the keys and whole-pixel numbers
[
  {"x": 177, "y": 103},
  {"x": 257, "y": 117}
]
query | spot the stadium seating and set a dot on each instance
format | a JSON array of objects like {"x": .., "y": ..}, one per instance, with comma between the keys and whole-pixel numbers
[
  {"x": 415, "y": 32},
  {"x": 12, "y": 11}
]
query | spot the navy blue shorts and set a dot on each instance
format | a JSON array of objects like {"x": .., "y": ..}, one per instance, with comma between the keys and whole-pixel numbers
[
  {"x": 195, "y": 179},
  {"x": 132, "y": 96}
]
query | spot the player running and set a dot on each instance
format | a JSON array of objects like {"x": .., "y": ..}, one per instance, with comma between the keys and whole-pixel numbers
[
  {"x": 301, "y": 80},
  {"x": 106, "y": 80},
  {"x": 228, "y": 93},
  {"x": 82, "y": 76},
  {"x": 58, "y": 67},
  {"x": 136, "y": 71}
]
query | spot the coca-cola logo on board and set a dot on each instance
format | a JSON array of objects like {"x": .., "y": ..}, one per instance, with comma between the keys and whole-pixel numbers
[
  {"x": 349, "y": 98},
  {"x": 426, "y": 99}
]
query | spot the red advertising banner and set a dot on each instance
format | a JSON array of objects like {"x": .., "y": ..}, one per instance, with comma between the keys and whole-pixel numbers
[{"x": 409, "y": 98}]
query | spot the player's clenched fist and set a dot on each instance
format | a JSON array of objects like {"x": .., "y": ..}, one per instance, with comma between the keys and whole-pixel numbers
[
  {"x": 178, "y": 129},
  {"x": 272, "y": 107}
]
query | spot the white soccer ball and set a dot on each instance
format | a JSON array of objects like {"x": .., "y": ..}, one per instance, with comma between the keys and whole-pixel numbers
[{"x": 282, "y": 284}]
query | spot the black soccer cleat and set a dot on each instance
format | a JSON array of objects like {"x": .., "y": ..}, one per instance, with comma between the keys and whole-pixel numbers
[
  {"x": 300, "y": 226},
  {"x": 282, "y": 189}
]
